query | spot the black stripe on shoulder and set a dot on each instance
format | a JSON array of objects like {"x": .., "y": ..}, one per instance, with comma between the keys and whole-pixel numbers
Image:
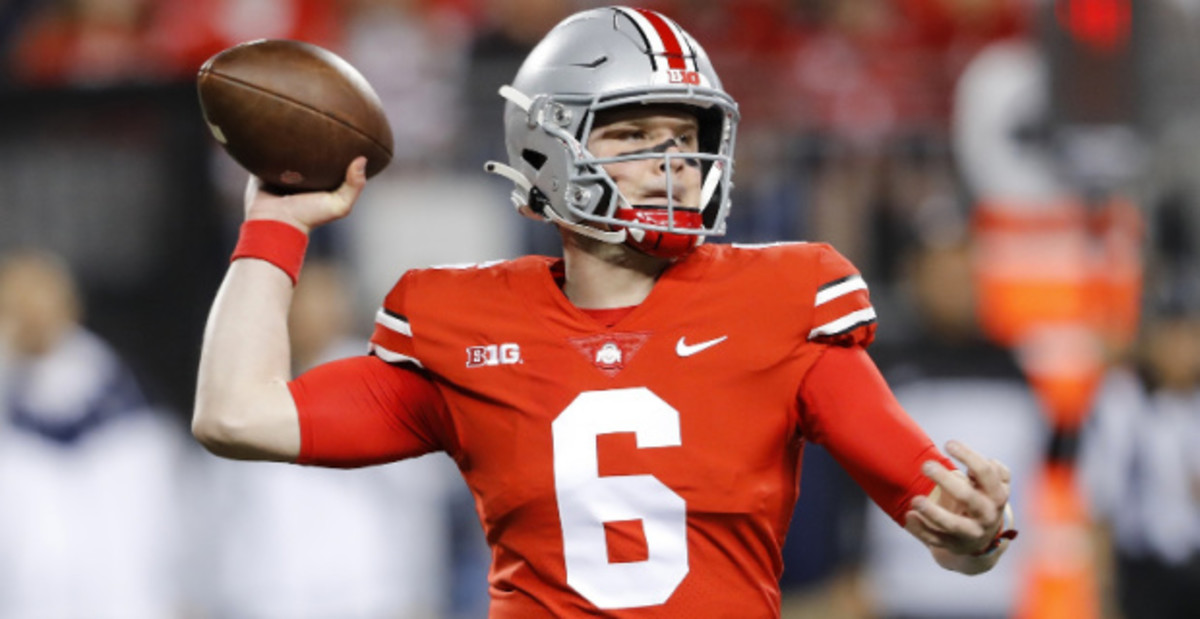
[
  {"x": 851, "y": 328},
  {"x": 395, "y": 315},
  {"x": 835, "y": 282}
]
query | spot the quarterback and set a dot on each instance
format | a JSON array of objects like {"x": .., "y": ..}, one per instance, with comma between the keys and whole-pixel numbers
[{"x": 630, "y": 416}]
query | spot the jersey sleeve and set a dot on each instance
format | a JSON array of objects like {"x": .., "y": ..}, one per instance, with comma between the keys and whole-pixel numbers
[
  {"x": 848, "y": 408},
  {"x": 842, "y": 311},
  {"x": 392, "y": 339},
  {"x": 361, "y": 411}
]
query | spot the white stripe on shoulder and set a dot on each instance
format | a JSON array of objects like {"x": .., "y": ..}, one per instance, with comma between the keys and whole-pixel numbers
[
  {"x": 766, "y": 245},
  {"x": 392, "y": 356},
  {"x": 842, "y": 288},
  {"x": 844, "y": 324},
  {"x": 391, "y": 322},
  {"x": 461, "y": 266}
]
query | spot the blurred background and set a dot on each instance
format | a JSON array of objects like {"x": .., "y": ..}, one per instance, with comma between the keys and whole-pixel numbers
[{"x": 1018, "y": 180}]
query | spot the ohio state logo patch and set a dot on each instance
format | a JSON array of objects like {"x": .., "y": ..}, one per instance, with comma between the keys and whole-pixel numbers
[{"x": 610, "y": 352}]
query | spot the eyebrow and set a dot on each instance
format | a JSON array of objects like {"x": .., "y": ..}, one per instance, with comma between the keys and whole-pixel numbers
[{"x": 681, "y": 123}]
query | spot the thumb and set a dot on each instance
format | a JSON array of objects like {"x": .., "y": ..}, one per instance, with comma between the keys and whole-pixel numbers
[
  {"x": 341, "y": 200},
  {"x": 320, "y": 208}
]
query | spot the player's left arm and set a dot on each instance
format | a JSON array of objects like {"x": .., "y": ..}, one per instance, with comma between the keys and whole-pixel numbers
[
  {"x": 849, "y": 408},
  {"x": 966, "y": 522}
]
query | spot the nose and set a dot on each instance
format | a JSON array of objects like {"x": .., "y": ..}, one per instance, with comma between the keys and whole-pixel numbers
[{"x": 677, "y": 163}]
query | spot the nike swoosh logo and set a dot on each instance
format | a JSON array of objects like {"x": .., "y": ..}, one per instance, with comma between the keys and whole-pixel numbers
[{"x": 683, "y": 349}]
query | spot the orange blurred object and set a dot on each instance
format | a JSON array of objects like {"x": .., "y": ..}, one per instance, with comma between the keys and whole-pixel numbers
[
  {"x": 1105, "y": 25},
  {"x": 1064, "y": 363},
  {"x": 1061, "y": 283},
  {"x": 1061, "y": 582}
]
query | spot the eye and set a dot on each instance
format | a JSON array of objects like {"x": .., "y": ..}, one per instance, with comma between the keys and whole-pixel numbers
[{"x": 630, "y": 134}]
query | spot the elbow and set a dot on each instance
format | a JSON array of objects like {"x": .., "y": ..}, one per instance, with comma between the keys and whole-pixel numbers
[
  {"x": 216, "y": 433},
  {"x": 247, "y": 429},
  {"x": 225, "y": 433}
]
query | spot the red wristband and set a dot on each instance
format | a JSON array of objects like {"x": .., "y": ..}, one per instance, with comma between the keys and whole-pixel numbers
[
  {"x": 1007, "y": 531},
  {"x": 1009, "y": 534},
  {"x": 276, "y": 242}
]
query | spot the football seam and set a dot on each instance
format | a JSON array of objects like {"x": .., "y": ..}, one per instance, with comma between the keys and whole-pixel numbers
[{"x": 307, "y": 107}]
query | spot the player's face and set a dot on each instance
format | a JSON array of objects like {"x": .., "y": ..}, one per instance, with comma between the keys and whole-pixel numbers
[{"x": 644, "y": 130}]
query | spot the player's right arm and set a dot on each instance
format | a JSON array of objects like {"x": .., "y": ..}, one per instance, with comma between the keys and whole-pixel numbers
[{"x": 243, "y": 407}]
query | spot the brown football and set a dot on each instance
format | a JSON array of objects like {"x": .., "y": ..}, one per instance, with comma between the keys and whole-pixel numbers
[{"x": 293, "y": 114}]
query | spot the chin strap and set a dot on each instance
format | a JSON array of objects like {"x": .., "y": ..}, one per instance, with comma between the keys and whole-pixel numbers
[
  {"x": 520, "y": 200},
  {"x": 517, "y": 97},
  {"x": 520, "y": 195},
  {"x": 615, "y": 237}
]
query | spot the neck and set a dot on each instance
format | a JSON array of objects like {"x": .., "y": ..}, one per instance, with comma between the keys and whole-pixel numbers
[{"x": 601, "y": 275}]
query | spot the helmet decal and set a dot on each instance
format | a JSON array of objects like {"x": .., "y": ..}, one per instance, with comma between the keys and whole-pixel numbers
[
  {"x": 666, "y": 41},
  {"x": 663, "y": 38}
]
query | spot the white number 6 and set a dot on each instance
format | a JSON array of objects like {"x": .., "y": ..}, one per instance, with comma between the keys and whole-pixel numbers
[{"x": 586, "y": 500}]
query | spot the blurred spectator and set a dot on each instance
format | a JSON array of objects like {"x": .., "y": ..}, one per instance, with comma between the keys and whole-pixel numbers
[
  {"x": 188, "y": 32},
  {"x": 107, "y": 42},
  {"x": 867, "y": 85},
  {"x": 86, "y": 42},
  {"x": 748, "y": 42},
  {"x": 87, "y": 472},
  {"x": 414, "y": 53},
  {"x": 1141, "y": 468},
  {"x": 309, "y": 543},
  {"x": 12, "y": 19},
  {"x": 510, "y": 29},
  {"x": 956, "y": 384}
]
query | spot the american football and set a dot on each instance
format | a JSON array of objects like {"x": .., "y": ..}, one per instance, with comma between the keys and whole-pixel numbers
[{"x": 293, "y": 114}]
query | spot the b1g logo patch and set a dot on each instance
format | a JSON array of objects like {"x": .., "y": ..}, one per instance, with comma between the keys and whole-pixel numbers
[
  {"x": 683, "y": 76},
  {"x": 493, "y": 354}
]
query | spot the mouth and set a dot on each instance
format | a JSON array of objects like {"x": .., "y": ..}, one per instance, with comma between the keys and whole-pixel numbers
[{"x": 661, "y": 198}]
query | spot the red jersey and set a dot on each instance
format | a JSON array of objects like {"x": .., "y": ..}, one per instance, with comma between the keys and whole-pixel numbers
[{"x": 649, "y": 468}]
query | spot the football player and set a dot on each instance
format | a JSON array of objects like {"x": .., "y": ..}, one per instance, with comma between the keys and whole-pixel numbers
[{"x": 630, "y": 417}]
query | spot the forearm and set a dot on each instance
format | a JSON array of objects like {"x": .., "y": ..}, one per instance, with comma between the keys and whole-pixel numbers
[
  {"x": 243, "y": 407},
  {"x": 849, "y": 409}
]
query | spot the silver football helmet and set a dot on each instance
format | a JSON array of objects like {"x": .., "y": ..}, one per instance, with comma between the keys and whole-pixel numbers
[{"x": 603, "y": 59}]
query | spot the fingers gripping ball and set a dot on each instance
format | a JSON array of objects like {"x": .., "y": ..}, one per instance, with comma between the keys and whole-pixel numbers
[{"x": 293, "y": 114}]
